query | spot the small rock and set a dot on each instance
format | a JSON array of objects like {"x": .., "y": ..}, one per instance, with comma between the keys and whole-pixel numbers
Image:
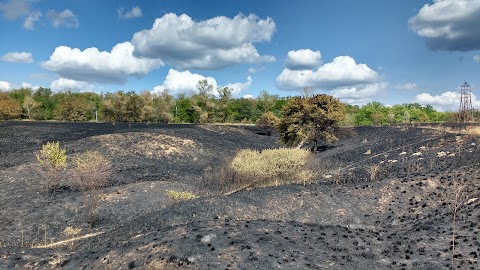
[
  {"x": 451, "y": 155},
  {"x": 402, "y": 153},
  {"x": 369, "y": 152},
  {"x": 417, "y": 154},
  {"x": 441, "y": 154},
  {"x": 207, "y": 238}
]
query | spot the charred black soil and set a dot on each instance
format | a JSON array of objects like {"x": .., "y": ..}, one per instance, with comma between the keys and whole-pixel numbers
[{"x": 383, "y": 201}]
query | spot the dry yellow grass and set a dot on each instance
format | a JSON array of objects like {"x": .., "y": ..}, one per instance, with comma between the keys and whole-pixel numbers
[
  {"x": 181, "y": 195},
  {"x": 273, "y": 166}
]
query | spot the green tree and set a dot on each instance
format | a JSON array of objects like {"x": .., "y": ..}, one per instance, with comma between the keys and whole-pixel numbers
[
  {"x": 266, "y": 102},
  {"x": 310, "y": 120},
  {"x": 71, "y": 107},
  {"x": 184, "y": 109},
  {"x": 44, "y": 111}
]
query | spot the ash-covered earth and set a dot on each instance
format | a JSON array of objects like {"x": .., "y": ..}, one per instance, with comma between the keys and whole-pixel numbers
[{"x": 385, "y": 198}]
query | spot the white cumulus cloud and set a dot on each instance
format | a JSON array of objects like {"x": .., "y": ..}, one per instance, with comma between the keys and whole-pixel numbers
[
  {"x": 177, "y": 82},
  {"x": 135, "y": 12},
  {"x": 5, "y": 86},
  {"x": 29, "y": 85},
  {"x": 343, "y": 78},
  {"x": 359, "y": 94},
  {"x": 451, "y": 25},
  {"x": 476, "y": 58},
  {"x": 183, "y": 82},
  {"x": 303, "y": 59},
  {"x": 92, "y": 65},
  {"x": 18, "y": 57},
  {"x": 239, "y": 86},
  {"x": 211, "y": 44},
  {"x": 63, "y": 84},
  {"x": 447, "y": 101},
  {"x": 65, "y": 18},
  {"x": 342, "y": 72}
]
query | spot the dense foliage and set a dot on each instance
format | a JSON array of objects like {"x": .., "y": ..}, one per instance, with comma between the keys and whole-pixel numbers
[
  {"x": 207, "y": 105},
  {"x": 310, "y": 119}
]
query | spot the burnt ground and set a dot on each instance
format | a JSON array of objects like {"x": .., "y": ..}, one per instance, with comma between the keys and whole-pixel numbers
[{"x": 382, "y": 201}]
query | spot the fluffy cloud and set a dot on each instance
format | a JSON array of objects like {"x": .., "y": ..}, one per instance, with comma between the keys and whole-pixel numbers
[
  {"x": 15, "y": 57},
  {"x": 239, "y": 87},
  {"x": 29, "y": 85},
  {"x": 210, "y": 44},
  {"x": 342, "y": 72},
  {"x": 135, "y": 12},
  {"x": 91, "y": 65},
  {"x": 359, "y": 94},
  {"x": 31, "y": 19},
  {"x": 13, "y": 9},
  {"x": 476, "y": 58},
  {"x": 5, "y": 86},
  {"x": 183, "y": 82},
  {"x": 343, "y": 78},
  {"x": 63, "y": 84},
  {"x": 450, "y": 25},
  {"x": 303, "y": 59},
  {"x": 65, "y": 18},
  {"x": 407, "y": 86},
  {"x": 186, "y": 82},
  {"x": 447, "y": 101}
]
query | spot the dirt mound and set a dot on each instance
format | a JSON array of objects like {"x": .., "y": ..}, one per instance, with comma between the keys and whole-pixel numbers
[{"x": 392, "y": 209}]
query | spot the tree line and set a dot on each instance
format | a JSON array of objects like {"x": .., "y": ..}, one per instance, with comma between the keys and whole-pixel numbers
[{"x": 201, "y": 107}]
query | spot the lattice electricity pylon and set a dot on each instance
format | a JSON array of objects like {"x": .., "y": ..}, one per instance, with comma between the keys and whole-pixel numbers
[{"x": 465, "y": 114}]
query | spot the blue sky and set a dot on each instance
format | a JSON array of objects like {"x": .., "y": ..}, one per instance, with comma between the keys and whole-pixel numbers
[{"x": 359, "y": 51}]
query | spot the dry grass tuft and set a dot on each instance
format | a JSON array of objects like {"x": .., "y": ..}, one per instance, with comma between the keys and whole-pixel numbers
[
  {"x": 273, "y": 166},
  {"x": 181, "y": 195}
]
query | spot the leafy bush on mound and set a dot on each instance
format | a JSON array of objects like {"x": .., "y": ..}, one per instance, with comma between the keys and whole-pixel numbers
[
  {"x": 53, "y": 161},
  {"x": 273, "y": 166}
]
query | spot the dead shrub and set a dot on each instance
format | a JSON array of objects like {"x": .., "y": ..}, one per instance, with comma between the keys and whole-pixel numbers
[
  {"x": 53, "y": 161},
  {"x": 91, "y": 172}
]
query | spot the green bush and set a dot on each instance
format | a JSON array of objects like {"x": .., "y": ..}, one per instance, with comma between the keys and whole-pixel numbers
[
  {"x": 53, "y": 161},
  {"x": 273, "y": 166}
]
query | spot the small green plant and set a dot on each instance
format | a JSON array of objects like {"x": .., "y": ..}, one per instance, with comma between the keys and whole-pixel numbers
[
  {"x": 181, "y": 195},
  {"x": 53, "y": 161},
  {"x": 91, "y": 171}
]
